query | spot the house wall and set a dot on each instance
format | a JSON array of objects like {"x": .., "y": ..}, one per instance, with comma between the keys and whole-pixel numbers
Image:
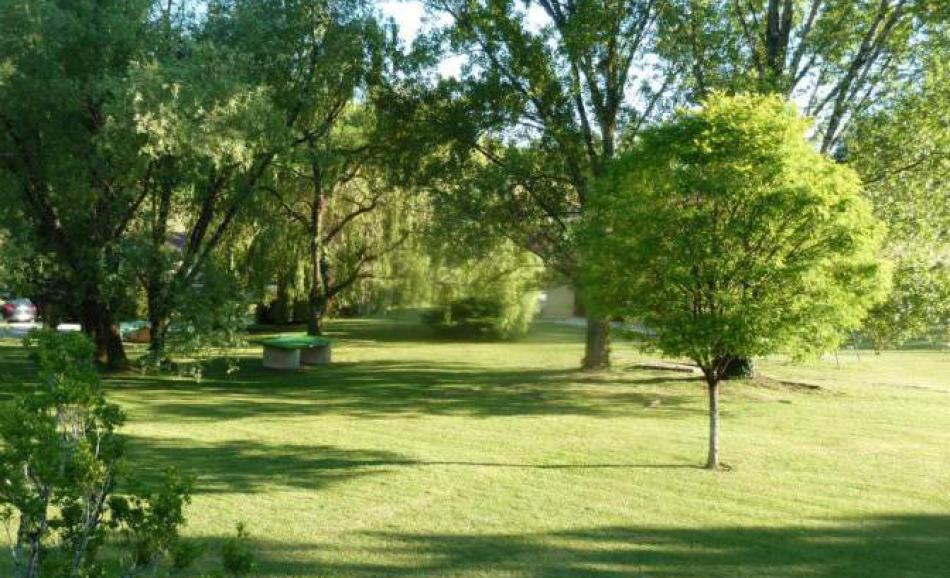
[{"x": 557, "y": 303}]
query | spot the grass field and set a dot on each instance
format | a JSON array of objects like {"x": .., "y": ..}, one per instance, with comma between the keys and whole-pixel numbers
[{"x": 410, "y": 457}]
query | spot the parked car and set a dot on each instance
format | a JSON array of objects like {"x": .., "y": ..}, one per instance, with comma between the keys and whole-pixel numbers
[{"x": 19, "y": 310}]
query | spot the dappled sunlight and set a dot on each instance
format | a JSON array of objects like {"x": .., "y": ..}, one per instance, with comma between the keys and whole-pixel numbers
[
  {"x": 417, "y": 459},
  {"x": 384, "y": 387}
]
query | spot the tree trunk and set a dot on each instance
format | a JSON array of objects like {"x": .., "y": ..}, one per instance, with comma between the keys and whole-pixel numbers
[
  {"x": 317, "y": 287},
  {"x": 597, "y": 346},
  {"x": 280, "y": 311},
  {"x": 20, "y": 547},
  {"x": 314, "y": 297},
  {"x": 52, "y": 314},
  {"x": 114, "y": 347},
  {"x": 158, "y": 307},
  {"x": 99, "y": 324},
  {"x": 158, "y": 331},
  {"x": 736, "y": 367},
  {"x": 712, "y": 461},
  {"x": 317, "y": 307}
]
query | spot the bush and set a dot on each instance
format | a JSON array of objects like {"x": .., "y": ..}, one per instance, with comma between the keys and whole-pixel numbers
[
  {"x": 470, "y": 318},
  {"x": 237, "y": 557},
  {"x": 185, "y": 554},
  {"x": 60, "y": 464}
]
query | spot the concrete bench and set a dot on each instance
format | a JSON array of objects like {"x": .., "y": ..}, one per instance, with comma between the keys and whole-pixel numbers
[{"x": 291, "y": 351}]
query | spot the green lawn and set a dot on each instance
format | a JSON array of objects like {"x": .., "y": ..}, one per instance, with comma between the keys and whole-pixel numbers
[{"x": 411, "y": 457}]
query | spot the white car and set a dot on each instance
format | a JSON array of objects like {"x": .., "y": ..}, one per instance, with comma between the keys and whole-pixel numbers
[{"x": 20, "y": 310}]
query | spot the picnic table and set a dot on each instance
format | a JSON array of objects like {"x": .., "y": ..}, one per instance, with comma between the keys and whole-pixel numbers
[{"x": 290, "y": 351}]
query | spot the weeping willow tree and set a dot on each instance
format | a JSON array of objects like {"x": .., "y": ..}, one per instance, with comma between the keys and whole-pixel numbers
[{"x": 361, "y": 243}]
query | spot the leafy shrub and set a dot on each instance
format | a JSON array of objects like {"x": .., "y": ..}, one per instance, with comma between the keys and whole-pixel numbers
[
  {"x": 472, "y": 318},
  {"x": 208, "y": 324},
  {"x": 237, "y": 557},
  {"x": 184, "y": 554},
  {"x": 60, "y": 464},
  {"x": 490, "y": 296}
]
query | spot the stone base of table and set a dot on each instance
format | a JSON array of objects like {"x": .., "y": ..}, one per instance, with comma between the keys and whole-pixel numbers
[
  {"x": 315, "y": 355},
  {"x": 279, "y": 358}
]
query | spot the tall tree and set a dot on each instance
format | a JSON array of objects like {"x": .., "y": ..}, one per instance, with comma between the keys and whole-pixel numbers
[
  {"x": 545, "y": 106},
  {"x": 320, "y": 59},
  {"x": 210, "y": 131},
  {"x": 343, "y": 210},
  {"x": 836, "y": 57},
  {"x": 902, "y": 153},
  {"x": 67, "y": 148}
]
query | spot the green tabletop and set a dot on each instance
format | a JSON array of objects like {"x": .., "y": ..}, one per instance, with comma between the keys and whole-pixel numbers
[{"x": 295, "y": 341}]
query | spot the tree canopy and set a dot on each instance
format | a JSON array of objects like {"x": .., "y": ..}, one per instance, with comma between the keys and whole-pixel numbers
[{"x": 725, "y": 234}]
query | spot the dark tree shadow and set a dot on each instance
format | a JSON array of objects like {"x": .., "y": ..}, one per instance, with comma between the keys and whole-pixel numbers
[
  {"x": 379, "y": 388},
  {"x": 248, "y": 466},
  {"x": 894, "y": 546},
  {"x": 900, "y": 546}
]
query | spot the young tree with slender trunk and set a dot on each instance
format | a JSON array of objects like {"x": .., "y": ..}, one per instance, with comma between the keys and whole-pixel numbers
[
  {"x": 836, "y": 58},
  {"x": 726, "y": 234}
]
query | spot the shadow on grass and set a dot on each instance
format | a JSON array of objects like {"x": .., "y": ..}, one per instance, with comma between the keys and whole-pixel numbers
[
  {"x": 380, "y": 388},
  {"x": 894, "y": 546},
  {"x": 905, "y": 546},
  {"x": 248, "y": 466}
]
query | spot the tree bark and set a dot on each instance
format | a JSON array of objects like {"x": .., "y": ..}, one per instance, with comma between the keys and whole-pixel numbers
[
  {"x": 99, "y": 324},
  {"x": 157, "y": 303},
  {"x": 317, "y": 287},
  {"x": 318, "y": 307},
  {"x": 712, "y": 460},
  {"x": 158, "y": 331},
  {"x": 281, "y": 311},
  {"x": 597, "y": 345},
  {"x": 316, "y": 300}
]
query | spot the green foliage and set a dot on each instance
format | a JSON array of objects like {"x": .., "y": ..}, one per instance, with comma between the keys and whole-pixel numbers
[
  {"x": 237, "y": 556},
  {"x": 798, "y": 49},
  {"x": 902, "y": 155},
  {"x": 209, "y": 321},
  {"x": 69, "y": 149},
  {"x": 495, "y": 291},
  {"x": 60, "y": 464},
  {"x": 918, "y": 305},
  {"x": 184, "y": 554},
  {"x": 151, "y": 520},
  {"x": 469, "y": 318},
  {"x": 728, "y": 235}
]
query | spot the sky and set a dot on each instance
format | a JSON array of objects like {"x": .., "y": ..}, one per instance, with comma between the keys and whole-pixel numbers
[
  {"x": 411, "y": 17},
  {"x": 408, "y": 14}
]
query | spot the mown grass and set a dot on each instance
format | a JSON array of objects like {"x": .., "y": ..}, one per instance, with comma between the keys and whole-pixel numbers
[{"x": 413, "y": 457}]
